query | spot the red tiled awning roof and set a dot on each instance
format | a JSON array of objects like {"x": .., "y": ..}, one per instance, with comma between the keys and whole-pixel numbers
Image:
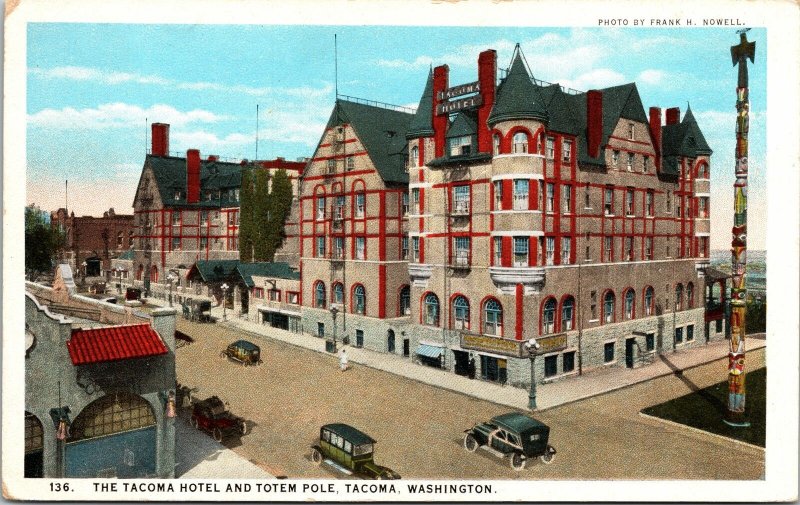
[{"x": 114, "y": 343}]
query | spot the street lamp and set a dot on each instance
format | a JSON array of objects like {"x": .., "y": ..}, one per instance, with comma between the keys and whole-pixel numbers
[
  {"x": 532, "y": 346},
  {"x": 83, "y": 273},
  {"x": 171, "y": 278},
  {"x": 225, "y": 289},
  {"x": 334, "y": 312},
  {"x": 118, "y": 275}
]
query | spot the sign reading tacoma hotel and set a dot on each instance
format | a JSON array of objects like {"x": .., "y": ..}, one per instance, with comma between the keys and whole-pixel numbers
[
  {"x": 461, "y": 103},
  {"x": 509, "y": 347}
]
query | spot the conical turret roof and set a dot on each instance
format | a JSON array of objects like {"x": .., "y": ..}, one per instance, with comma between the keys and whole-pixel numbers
[
  {"x": 422, "y": 123},
  {"x": 517, "y": 96}
]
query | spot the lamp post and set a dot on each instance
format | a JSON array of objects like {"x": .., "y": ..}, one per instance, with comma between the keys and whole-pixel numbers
[
  {"x": 334, "y": 312},
  {"x": 225, "y": 288},
  {"x": 532, "y": 346},
  {"x": 171, "y": 278},
  {"x": 83, "y": 273},
  {"x": 118, "y": 275}
]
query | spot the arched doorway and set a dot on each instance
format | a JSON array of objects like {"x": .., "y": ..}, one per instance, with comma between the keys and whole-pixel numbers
[
  {"x": 390, "y": 341},
  {"x": 34, "y": 447},
  {"x": 114, "y": 436},
  {"x": 154, "y": 274}
]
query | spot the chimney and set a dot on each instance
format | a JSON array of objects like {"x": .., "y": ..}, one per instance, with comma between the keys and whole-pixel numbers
[
  {"x": 192, "y": 176},
  {"x": 594, "y": 121},
  {"x": 213, "y": 157},
  {"x": 441, "y": 78},
  {"x": 159, "y": 139},
  {"x": 487, "y": 77},
  {"x": 673, "y": 115},
  {"x": 655, "y": 133}
]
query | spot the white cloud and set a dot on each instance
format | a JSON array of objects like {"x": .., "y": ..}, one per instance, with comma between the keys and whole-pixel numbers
[
  {"x": 117, "y": 115},
  {"x": 598, "y": 78},
  {"x": 92, "y": 74},
  {"x": 419, "y": 61},
  {"x": 651, "y": 76}
]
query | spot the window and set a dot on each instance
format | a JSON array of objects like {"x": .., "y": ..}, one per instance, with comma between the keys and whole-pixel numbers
[
  {"x": 203, "y": 243},
  {"x": 130, "y": 239},
  {"x": 338, "y": 293},
  {"x": 520, "y": 143},
  {"x": 338, "y": 211},
  {"x": 551, "y": 365},
  {"x": 258, "y": 292},
  {"x": 415, "y": 249},
  {"x": 320, "y": 247},
  {"x": 718, "y": 325},
  {"x": 177, "y": 195},
  {"x": 338, "y": 248},
  {"x": 608, "y": 307},
  {"x": 415, "y": 200},
  {"x": 176, "y": 218},
  {"x": 646, "y": 164},
  {"x": 404, "y": 248},
  {"x": 498, "y": 251},
  {"x": 669, "y": 202},
  {"x": 702, "y": 207},
  {"x": 550, "y": 203},
  {"x": 495, "y": 144},
  {"x": 586, "y": 202},
  {"x": 608, "y": 201},
  {"x": 320, "y": 208},
  {"x": 203, "y": 217},
  {"x": 550, "y": 250},
  {"x": 567, "y": 313},
  {"x": 648, "y": 301},
  {"x": 351, "y": 163},
  {"x": 292, "y": 297},
  {"x": 461, "y": 251},
  {"x": 359, "y": 299},
  {"x": 648, "y": 203},
  {"x": 550, "y": 145},
  {"x": 361, "y": 245},
  {"x": 631, "y": 131},
  {"x": 593, "y": 305},
  {"x": 460, "y": 146},
  {"x": 549, "y": 316},
  {"x": 331, "y": 165},
  {"x": 608, "y": 352},
  {"x": 319, "y": 295},
  {"x": 493, "y": 318},
  {"x": 405, "y": 204},
  {"x": 689, "y": 295},
  {"x": 614, "y": 158},
  {"x": 566, "y": 250},
  {"x": 566, "y": 198},
  {"x": 361, "y": 204},
  {"x": 274, "y": 295},
  {"x": 679, "y": 296},
  {"x": 702, "y": 171},
  {"x": 520, "y": 194},
  {"x": 608, "y": 248},
  {"x": 566, "y": 154},
  {"x": 702, "y": 247},
  {"x": 461, "y": 313},
  {"x": 359, "y": 343},
  {"x": 405, "y": 300},
  {"x": 176, "y": 243},
  {"x": 690, "y": 333},
  {"x": 648, "y": 248},
  {"x": 678, "y": 335},
  {"x": 628, "y": 248},
  {"x": 568, "y": 361},
  {"x": 521, "y": 258},
  {"x": 431, "y": 305},
  {"x": 498, "y": 195},
  {"x": 460, "y": 204},
  {"x": 630, "y": 297},
  {"x": 414, "y": 158},
  {"x": 629, "y": 202},
  {"x": 630, "y": 162}
]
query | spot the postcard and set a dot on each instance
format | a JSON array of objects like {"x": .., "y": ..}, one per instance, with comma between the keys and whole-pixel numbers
[{"x": 382, "y": 251}]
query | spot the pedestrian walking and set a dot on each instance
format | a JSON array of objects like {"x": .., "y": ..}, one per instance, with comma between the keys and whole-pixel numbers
[
  {"x": 343, "y": 360},
  {"x": 471, "y": 367}
]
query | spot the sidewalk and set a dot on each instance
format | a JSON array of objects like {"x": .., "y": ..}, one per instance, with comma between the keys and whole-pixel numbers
[{"x": 563, "y": 391}]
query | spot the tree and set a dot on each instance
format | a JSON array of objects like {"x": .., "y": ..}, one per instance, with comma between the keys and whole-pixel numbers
[
  {"x": 280, "y": 204},
  {"x": 246, "y": 217},
  {"x": 261, "y": 217},
  {"x": 42, "y": 242}
]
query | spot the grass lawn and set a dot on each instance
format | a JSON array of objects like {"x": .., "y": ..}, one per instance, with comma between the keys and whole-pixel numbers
[{"x": 705, "y": 409}]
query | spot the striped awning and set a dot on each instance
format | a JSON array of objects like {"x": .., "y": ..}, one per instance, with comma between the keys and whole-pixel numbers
[{"x": 429, "y": 351}]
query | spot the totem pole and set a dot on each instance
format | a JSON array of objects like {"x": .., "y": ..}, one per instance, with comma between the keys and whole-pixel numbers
[{"x": 736, "y": 390}]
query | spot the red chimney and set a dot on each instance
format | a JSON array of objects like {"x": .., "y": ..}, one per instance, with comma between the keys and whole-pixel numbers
[
  {"x": 440, "y": 84},
  {"x": 673, "y": 115},
  {"x": 655, "y": 133},
  {"x": 159, "y": 139},
  {"x": 594, "y": 121},
  {"x": 487, "y": 77},
  {"x": 213, "y": 157},
  {"x": 192, "y": 176}
]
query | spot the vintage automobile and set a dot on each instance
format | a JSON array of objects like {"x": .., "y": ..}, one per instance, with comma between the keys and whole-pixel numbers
[
  {"x": 350, "y": 451},
  {"x": 197, "y": 310},
  {"x": 246, "y": 353},
  {"x": 516, "y": 436},
  {"x": 212, "y": 416}
]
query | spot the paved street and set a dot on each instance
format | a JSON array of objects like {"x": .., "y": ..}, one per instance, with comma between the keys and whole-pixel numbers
[{"x": 418, "y": 426}]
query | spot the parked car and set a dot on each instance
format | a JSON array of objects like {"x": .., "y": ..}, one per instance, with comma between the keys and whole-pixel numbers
[
  {"x": 212, "y": 416},
  {"x": 350, "y": 451},
  {"x": 513, "y": 435},
  {"x": 246, "y": 353}
]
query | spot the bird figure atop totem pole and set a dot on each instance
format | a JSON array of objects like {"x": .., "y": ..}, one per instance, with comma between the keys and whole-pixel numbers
[{"x": 740, "y": 54}]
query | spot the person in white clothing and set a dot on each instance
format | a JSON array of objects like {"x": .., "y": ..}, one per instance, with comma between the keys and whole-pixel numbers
[{"x": 343, "y": 360}]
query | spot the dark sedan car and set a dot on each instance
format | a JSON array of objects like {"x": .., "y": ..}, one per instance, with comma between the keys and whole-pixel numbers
[
  {"x": 350, "y": 451},
  {"x": 513, "y": 435},
  {"x": 212, "y": 416}
]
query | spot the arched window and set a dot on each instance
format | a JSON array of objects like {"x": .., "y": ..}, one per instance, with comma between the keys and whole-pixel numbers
[
  {"x": 119, "y": 240},
  {"x": 130, "y": 239},
  {"x": 413, "y": 160},
  {"x": 649, "y": 300},
  {"x": 549, "y": 316},
  {"x": 630, "y": 297},
  {"x": 520, "y": 142},
  {"x": 608, "y": 307},
  {"x": 495, "y": 144},
  {"x": 679, "y": 296},
  {"x": 461, "y": 313},
  {"x": 112, "y": 413},
  {"x": 493, "y": 318},
  {"x": 702, "y": 171},
  {"x": 359, "y": 299},
  {"x": 338, "y": 293},
  {"x": 567, "y": 313},
  {"x": 431, "y": 316},
  {"x": 139, "y": 272},
  {"x": 690, "y": 296},
  {"x": 405, "y": 301},
  {"x": 154, "y": 274},
  {"x": 319, "y": 295}
]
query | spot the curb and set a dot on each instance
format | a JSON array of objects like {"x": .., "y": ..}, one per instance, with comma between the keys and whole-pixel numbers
[{"x": 698, "y": 430}]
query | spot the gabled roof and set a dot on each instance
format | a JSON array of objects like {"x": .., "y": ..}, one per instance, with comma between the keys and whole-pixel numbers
[
  {"x": 213, "y": 270},
  {"x": 422, "y": 123},
  {"x": 465, "y": 123},
  {"x": 383, "y": 133},
  {"x": 684, "y": 139},
  {"x": 114, "y": 343},
  {"x": 170, "y": 176},
  {"x": 278, "y": 270},
  {"x": 517, "y": 96}
]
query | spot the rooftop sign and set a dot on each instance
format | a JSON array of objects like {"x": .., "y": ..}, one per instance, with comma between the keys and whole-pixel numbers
[{"x": 446, "y": 107}]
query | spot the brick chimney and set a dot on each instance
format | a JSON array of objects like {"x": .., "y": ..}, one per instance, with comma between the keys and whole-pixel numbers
[
  {"x": 441, "y": 78},
  {"x": 192, "y": 176},
  {"x": 159, "y": 139},
  {"x": 487, "y": 77},
  {"x": 594, "y": 121},
  {"x": 673, "y": 115},
  {"x": 213, "y": 157},
  {"x": 655, "y": 133}
]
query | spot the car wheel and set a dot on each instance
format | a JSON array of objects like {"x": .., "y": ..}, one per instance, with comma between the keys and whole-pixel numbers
[
  {"x": 217, "y": 434},
  {"x": 195, "y": 424},
  {"x": 470, "y": 444},
  {"x": 243, "y": 427},
  {"x": 547, "y": 457},
  {"x": 517, "y": 461},
  {"x": 223, "y": 355},
  {"x": 316, "y": 456}
]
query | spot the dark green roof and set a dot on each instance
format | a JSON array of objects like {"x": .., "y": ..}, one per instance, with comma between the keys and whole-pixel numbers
[
  {"x": 126, "y": 255},
  {"x": 244, "y": 344},
  {"x": 516, "y": 422},
  {"x": 278, "y": 270},
  {"x": 215, "y": 176},
  {"x": 352, "y": 435},
  {"x": 517, "y": 96},
  {"x": 422, "y": 123},
  {"x": 684, "y": 139},
  {"x": 383, "y": 133},
  {"x": 213, "y": 270},
  {"x": 465, "y": 123},
  {"x": 460, "y": 160}
]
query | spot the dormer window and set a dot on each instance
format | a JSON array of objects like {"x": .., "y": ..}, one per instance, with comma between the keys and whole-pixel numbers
[
  {"x": 177, "y": 195},
  {"x": 614, "y": 158},
  {"x": 412, "y": 162},
  {"x": 495, "y": 144},
  {"x": 520, "y": 142},
  {"x": 461, "y": 146},
  {"x": 631, "y": 131}
]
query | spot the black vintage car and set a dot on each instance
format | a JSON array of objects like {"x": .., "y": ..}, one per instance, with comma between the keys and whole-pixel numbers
[
  {"x": 513, "y": 435},
  {"x": 350, "y": 451},
  {"x": 246, "y": 353}
]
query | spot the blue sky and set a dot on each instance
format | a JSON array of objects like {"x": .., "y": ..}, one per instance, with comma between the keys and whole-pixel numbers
[{"x": 91, "y": 86}]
